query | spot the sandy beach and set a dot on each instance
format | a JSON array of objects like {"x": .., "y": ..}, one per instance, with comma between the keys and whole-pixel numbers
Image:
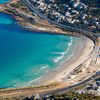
[{"x": 81, "y": 54}]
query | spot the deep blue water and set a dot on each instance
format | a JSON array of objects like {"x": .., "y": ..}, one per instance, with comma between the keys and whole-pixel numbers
[{"x": 26, "y": 56}]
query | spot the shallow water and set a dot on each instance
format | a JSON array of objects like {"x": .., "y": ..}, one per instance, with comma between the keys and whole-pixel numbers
[{"x": 26, "y": 56}]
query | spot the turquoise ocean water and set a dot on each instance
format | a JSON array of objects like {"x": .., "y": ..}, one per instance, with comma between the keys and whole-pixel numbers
[
  {"x": 27, "y": 56},
  {"x": 4, "y": 1}
]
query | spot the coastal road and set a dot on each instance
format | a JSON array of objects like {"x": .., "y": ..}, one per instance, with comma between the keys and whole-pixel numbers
[
  {"x": 85, "y": 32},
  {"x": 73, "y": 86},
  {"x": 43, "y": 92}
]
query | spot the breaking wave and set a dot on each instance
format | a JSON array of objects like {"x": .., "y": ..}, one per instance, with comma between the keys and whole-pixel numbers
[
  {"x": 44, "y": 67},
  {"x": 63, "y": 53}
]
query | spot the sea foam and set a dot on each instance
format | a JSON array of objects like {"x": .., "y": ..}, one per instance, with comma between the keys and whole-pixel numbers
[
  {"x": 63, "y": 53},
  {"x": 44, "y": 67}
]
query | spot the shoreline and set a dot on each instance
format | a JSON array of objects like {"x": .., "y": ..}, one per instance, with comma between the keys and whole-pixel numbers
[
  {"x": 65, "y": 77},
  {"x": 59, "y": 75},
  {"x": 66, "y": 58}
]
